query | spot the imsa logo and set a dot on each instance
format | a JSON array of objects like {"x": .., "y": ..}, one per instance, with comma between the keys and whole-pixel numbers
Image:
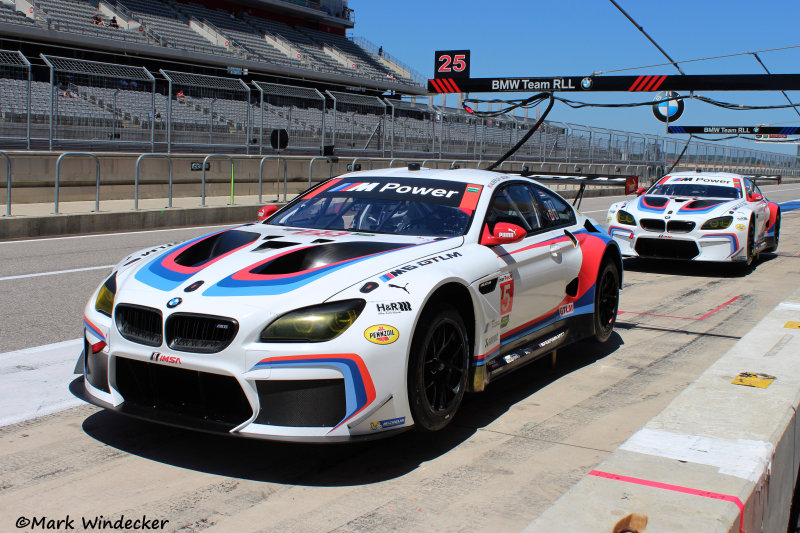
[
  {"x": 160, "y": 357},
  {"x": 381, "y": 334}
]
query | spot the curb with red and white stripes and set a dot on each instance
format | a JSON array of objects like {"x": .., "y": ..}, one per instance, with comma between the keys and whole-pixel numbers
[{"x": 721, "y": 457}]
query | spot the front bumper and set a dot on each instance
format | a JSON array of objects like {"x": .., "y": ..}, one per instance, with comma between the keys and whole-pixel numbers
[
  {"x": 695, "y": 246},
  {"x": 266, "y": 393}
]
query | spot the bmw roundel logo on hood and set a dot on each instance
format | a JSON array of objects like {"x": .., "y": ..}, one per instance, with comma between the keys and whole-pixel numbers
[{"x": 175, "y": 302}]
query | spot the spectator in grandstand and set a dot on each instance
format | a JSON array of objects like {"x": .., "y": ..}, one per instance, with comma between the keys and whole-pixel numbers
[
  {"x": 380, "y": 51},
  {"x": 98, "y": 20},
  {"x": 181, "y": 97},
  {"x": 68, "y": 93},
  {"x": 113, "y": 23}
]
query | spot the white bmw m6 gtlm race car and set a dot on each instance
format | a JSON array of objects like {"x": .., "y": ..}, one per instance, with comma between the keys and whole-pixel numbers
[
  {"x": 369, "y": 304},
  {"x": 699, "y": 216}
]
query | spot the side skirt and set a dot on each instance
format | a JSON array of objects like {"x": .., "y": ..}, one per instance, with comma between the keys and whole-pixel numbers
[{"x": 540, "y": 343}]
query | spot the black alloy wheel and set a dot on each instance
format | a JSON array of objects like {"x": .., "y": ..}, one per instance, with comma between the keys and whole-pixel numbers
[
  {"x": 773, "y": 247},
  {"x": 438, "y": 367},
  {"x": 606, "y": 301}
]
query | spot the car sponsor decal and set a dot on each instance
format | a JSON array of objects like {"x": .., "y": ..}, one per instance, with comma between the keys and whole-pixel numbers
[
  {"x": 381, "y": 334},
  {"x": 359, "y": 389},
  {"x": 403, "y": 287},
  {"x": 392, "y": 308},
  {"x": 423, "y": 262},
  {"x": 491, "y": 340},
  {"x": 443, "y": 192},
  {"x": 566, "y": 309},
  {"x": 470, "y": 199},
  {"x": 732, "y": 237},
  {"x": 740, "y": 227},
  {"x": 506, "y": 293},
  {"x": 504, "y": 320},
  {"x": 161, "y": 358},
  {"x": 93, "y": 330},
  {"x": 385, "y": 424}
]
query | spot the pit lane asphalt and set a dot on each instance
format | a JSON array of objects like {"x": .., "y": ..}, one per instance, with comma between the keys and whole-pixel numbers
[{"x": 511, "y": 451}]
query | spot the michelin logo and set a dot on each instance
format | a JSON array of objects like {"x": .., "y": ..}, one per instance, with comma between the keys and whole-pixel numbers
[{"x": 385, "y": 424}]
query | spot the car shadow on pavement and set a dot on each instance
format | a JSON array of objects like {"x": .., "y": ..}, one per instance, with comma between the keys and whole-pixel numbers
[
  {"x": 345, "y": 464},
  {"x": 703, "y": 269}
]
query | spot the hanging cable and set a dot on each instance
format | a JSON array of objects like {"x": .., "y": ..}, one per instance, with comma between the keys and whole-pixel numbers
[
  {"x": 672, "y": 61},
  {"x": 678, "y": 159},
  {"x": 535, "y": 98}
]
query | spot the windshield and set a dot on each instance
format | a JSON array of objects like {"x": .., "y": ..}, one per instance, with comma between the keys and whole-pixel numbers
[
  {"x": 402, "y": 206},
  {"x": 695, "y": 189}
]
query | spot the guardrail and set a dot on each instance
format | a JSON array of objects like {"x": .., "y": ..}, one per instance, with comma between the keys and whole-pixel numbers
[
  {"x": 8, "y": 183},
  {"x": 97, "y": 172},
  {"x": 261, "y": 174},
  {"x": 136, "y": 179}
]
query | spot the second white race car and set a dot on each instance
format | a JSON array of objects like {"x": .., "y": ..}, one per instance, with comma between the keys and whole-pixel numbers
[{"x": 698, "y": 216}]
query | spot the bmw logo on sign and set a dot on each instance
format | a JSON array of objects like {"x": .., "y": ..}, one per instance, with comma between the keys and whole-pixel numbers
[
  {"x": 667, "y": 110},
  {"x": 175, "y": 302}
]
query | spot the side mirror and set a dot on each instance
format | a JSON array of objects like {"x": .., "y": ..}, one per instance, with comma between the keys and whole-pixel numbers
[
  {"x": 504, "y": 233},
  {"x": 640, "y": 191},
  {"x": 755, "y": 197},
  {"x": 266, "y": 212}
]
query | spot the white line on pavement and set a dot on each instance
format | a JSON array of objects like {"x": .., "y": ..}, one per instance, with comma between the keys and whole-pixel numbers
[
  {"x": 45, "y": 239},
  {"x": 55, "y": 272},
  {"x": 34, "y": 382}
]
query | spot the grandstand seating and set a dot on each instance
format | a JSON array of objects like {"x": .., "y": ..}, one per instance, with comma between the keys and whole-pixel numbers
[
  {"x": 166, "y": 24},
  {"x": 75, "y": 16}
]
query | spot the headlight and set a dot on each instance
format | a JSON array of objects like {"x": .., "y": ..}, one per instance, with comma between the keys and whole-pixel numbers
[
  {"x": 314, "y": 324},
  {"x": 718, "y": 223},
  {"x": 623, "y": 217},
  {"x": 105, "y": 299}
]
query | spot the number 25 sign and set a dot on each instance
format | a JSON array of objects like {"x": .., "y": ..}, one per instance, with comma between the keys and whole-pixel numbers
[{"x": 452, "y": 64}]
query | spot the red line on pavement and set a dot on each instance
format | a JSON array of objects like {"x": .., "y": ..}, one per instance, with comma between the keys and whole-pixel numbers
[
  {"x": 715, "y": 310},
  {"x": 675, "y": 488}
]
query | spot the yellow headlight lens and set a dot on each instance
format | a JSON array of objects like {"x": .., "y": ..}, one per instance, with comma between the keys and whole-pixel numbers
[
  {"x": 105, "y": 298},
  {"x": 718, "y": 223},
  {"x": 314, "y": 324},
  {"x": 623, "y": 217}
]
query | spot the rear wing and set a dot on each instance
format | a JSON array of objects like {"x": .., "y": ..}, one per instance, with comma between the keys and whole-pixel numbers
[
  {"x": 630, "y": 184},
  {"x": 760, "y": 179}
]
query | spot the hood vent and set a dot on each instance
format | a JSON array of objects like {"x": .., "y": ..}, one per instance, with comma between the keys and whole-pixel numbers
[
  {"x": 702, "y": 204},
  {"x": 215, "y": 246},
  {"x": 275, "y": 245},
  {"x": 320, "y": 256},
  {"x": 656, "y": 201}
]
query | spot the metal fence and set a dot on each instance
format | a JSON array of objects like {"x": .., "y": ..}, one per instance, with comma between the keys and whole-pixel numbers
[
  {"x": 15, "y": 96},
  {"x": 95, "y": 101},
  {"x": 206, "y": 110},
  {"x": 106, "y": 106},
  {"x": 298, "y": 110},
  {"x": 356, "y": 123}
]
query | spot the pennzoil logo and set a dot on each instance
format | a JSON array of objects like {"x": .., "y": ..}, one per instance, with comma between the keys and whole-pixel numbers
[{"x": 381, "y": 334}]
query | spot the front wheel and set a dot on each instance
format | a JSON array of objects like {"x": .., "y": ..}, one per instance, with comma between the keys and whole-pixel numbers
[
  {"x": 438, "y": 367},
  {"x": 606, "y": 301},
  {"x": 750, "y": 253},
  {"x": 774, "y": 244}
]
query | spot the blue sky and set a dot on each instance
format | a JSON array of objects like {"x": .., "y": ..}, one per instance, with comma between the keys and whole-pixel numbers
[{"x": 576, "y": 38}]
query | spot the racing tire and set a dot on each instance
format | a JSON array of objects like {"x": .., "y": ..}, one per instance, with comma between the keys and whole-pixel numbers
[
  {"x": 606, "y": 301},
  {"x": 438, "y": 367},
  {"x": 773, "y": 247},
  {"x": 750, "y": 252}
]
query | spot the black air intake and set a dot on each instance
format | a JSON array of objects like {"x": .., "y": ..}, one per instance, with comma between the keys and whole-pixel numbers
[
  {"x": 188, "y": 332},
  {"x": 139, "y": 324}
]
